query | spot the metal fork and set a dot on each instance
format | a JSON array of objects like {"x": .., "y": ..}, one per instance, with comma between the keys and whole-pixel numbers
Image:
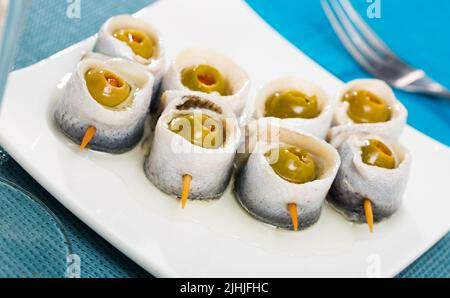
[{"x": 373, "y": 55}]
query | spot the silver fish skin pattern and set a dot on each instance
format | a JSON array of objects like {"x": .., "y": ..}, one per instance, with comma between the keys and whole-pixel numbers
[
  {"x": 356, "y": 181},
  {"x": 307, "y": 215},
  {"x": 112, "y": 140},
  {"x": 171, "y": 156}
]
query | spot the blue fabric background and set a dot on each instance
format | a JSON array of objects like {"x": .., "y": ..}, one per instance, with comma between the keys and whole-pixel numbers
[{"x": 414, "y": 29}]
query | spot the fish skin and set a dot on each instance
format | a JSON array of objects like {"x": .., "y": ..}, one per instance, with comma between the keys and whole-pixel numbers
[
  {"x": 107, "y": 45},
  {"x": 197, "y": 191},
  {"x": 111, "y": 140},
  {"x": 343, "y": 126},
  {"x": 282, "y": 220},
  {"x": 351, "y": 206},
  {"x": 116, "y": 131},
  {"x": 317, "y": 126},
  {"x": 211, "y": 169},
  {"x": 352, "y": 185},
  {"x": 265, "y": 195},
  {"x": 241, "y": 83},
  {"x": 356, "y": 181}
]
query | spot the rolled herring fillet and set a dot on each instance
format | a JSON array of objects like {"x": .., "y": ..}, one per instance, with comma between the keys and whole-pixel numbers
[
  {"x": 237, "y": 79},
  {"x": 172, "y": 156},
  {"x": 343, "y": 125},
  {"x": 317, "y": 126},
  {"x": 119, "y": 128},
  {"x": 108, "y": 45},
  {"x": 357, "y": 181},
  {"x": 265, "y": 195}
]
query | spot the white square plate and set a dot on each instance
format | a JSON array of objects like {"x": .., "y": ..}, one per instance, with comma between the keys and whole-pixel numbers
[{"x": 111, "y": 194}]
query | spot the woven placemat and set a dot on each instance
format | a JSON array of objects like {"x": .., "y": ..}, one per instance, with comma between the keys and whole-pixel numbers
[
  {"x": 50, "y": 30},
  {"x": 32, "y": 241}
]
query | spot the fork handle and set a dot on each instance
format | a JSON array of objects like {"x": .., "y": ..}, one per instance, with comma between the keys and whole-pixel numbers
[
  {"x": 441, "y": 93},
  {"x": 435, "y": 93},
  {"x": 427, "y": 86}
]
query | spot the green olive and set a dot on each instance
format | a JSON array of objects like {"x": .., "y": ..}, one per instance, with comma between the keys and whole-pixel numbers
[
  {"x": 293, "y": 164},
  {"x": 139, "y": 42},
  {"x": 199, "y": 129},
  {"x": 204, "y": 78},
  {"x": 292, "y": 104},
  {"x": 366, "y": 107},
  {"x": 106, "y": 87},
  {"x": 378, "y": 154}
]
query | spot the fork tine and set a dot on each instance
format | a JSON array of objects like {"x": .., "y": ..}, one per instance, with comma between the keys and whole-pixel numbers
[
  {"x": 354, "y": 35},
  {"x": 344, "y": 38},
  {"x": 373, "y": 55},
  {"x": 369, "y": 34}
]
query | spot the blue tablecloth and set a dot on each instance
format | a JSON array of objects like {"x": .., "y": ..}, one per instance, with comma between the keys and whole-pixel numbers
[{"x": 413, "y": 29}]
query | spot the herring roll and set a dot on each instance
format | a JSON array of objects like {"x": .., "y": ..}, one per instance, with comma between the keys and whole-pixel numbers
[
  {"x": 300, "y": 104},
  {"x": 369, "y": 106},
  {"x": 194, "y": 145},
  {"x": 105, "y": 104},
  {"x": 286, "y": 176},
  {"x": 130, "y": 38},
  {"x": 372, "y": 179},
  {"x": 209, "y": 72}
]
